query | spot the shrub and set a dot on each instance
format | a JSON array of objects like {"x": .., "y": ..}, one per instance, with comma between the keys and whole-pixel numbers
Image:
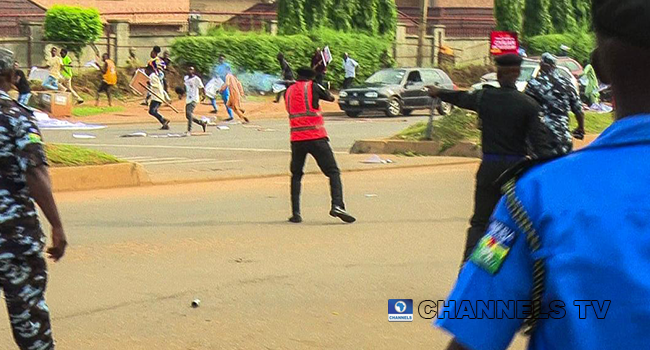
[
  {"x": 77, "y": 25},
  {"x": 537, "y": 20},
  {"x": 508, "y": 14},
  {"x": 581, "y": 44},
  {"x": 291, "y": 16},
  {"x": 257, "y": 51}
]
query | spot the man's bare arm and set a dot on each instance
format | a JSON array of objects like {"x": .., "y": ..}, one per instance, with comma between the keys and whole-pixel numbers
[{"x": 40, "y": 188}]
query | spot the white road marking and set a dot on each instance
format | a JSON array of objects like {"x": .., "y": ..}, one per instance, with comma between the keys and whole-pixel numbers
[{"x": 263, "y": 150}]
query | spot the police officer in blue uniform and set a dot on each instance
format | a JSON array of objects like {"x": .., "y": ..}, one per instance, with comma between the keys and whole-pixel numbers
[
  {"x": 571, "y": 237},
  {"x": 24, "y": 179}
]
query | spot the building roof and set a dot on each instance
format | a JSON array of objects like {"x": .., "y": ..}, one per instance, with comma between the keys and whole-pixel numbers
[
  {"x": 465, "y": 3},
  {"x": 12, "y": 12},
  {"x": 136, "y": 11}
]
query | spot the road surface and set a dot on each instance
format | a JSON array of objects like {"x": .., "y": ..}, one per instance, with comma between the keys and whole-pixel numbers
[
  {"x": 138, "y": 257},
  {"x": 262, "y": 147}
]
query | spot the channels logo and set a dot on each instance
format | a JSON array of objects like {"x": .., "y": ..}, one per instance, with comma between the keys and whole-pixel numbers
[{"x": 400, "y": 310}]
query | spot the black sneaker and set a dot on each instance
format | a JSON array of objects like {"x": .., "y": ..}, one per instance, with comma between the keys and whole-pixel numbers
[
  {"x": 165, "y": 125},
  {"x": 340, "y": 213},
  {"x": 296, "y": 219},
  {"x": 204, "y": 125}
]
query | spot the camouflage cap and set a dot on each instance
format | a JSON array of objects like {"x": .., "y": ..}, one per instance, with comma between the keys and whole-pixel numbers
[
  {"x": 6, "y": 59},
  {"x": 627, "y": 20}
]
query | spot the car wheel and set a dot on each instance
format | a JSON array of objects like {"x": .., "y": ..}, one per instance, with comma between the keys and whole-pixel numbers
[
  {"x": 407, "y": 112},
  {"x": 352, "y": 114},
  {"x": 394, "y": 108},
  {"x": 445, "y": 108}
]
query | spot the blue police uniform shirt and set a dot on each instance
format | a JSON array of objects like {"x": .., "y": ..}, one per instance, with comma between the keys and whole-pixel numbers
[{"x": 591, "y": 210}]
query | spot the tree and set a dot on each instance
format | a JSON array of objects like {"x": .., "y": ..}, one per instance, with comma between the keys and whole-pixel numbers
[
  {"x": 365, "y": 17},
  {"x": 537, "y": 20},
  {"x": 563, "y": 16},
  {"x": 387, "y": 17},
  {"x": 582, "y": 11},
  {"x": 291, "y": 16},
  {"x": 316, "y": 13},
  {"x": 74, "y": 26},
  {"x": 508, "y": 15},
  {"x": 341, "y": 13}
]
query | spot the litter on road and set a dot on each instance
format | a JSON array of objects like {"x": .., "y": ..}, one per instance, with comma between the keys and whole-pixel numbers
[
  {"x": 375, "y": 159},
  {"x": 135, "y": 134},
  {"x": 84, "y": 136}
]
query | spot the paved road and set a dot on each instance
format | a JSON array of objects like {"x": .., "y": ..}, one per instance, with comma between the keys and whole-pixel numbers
[
  {"x": 140, "y": 256},
  {"x": 241, "y": 149}
]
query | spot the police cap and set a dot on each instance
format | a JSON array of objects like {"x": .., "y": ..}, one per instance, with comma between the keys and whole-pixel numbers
[
  {"x": 627, "y": 20},
  {"x": 6, "y": 60},
  {"x": 306, "y": 73},
  {"x": 509, "y": 60}
]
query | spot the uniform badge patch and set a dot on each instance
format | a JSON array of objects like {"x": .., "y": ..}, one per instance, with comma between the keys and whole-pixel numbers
[
  {"x": 492, "y": 250},
  {"x": 34, "y": 138}
]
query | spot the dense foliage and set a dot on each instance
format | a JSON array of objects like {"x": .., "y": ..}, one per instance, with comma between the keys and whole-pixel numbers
[
  {"x": 537, "y": 20},
  {"x": 563, "y": 16},
  {"x": 508, "y": 14},
  {"x": 76, "y": 26},
  {"x": 369, "y": 16},
  {"x": 256, "y": 52},
  {"x": 581, "y": 44},
  {"x": 291, "y": 16}
]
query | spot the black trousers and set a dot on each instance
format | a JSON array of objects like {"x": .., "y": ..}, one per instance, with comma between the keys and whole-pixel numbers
[
  {"x": 153, "y": 111},
  {"x": 486, "y": 198},
  {"x": 347, "y": 83},
  {"x": 322, "y": 152},
  {"x": 189, "y": 114}
]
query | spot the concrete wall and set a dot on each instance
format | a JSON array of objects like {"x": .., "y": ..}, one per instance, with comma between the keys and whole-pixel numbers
[
  {"x": 234, "y": 6},
  {"x": 470, "y": 51}
]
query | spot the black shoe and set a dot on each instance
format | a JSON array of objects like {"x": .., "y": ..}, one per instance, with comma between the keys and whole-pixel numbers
[
  {"x": 165, "y": 125},
  {"x": 214, "y": 112},
  {"x": 204, "y": 125},
  {"x": 296, "y": 219},
  {"x": 340, "y": 213}
]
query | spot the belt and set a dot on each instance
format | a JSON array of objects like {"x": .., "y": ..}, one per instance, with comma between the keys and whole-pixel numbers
[{"x": 490, "y": 157}]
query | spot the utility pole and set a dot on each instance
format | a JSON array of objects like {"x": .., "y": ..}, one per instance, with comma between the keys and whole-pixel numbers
[{"x": 423, "y": 31}]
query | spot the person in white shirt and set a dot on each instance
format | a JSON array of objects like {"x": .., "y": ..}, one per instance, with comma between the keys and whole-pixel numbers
[
  {"x": 193, "y": 88},
  {"x": 156, "y": 86},
  {"x": 350, "y": 67}
]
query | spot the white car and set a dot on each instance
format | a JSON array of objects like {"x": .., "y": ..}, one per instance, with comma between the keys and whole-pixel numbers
[{"x": 529, "y": 70}]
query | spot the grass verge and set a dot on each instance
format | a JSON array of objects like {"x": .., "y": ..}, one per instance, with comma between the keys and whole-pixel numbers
[
  {"x": 86, "y": 111},
  {"x": 449, "y": 130},
  {"x": 67, "y": 155},
  {"x": 462, "y": 125}
]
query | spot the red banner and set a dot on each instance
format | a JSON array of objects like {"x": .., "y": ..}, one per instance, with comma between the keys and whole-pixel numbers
[{"x": 502, "y": 43}]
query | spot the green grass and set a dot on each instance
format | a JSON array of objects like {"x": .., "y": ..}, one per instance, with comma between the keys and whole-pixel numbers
[
  {"x": 86, "y": 111},
  {"x": 458, "y": 126},
  {"x": 595, "y": 123},
  {"x": 461, "y": 125},
  {"x": 67, "y": 155}
]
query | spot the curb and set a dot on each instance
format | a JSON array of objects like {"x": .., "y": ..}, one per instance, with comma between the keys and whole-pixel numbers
[
  {"x": 96, "y": 177},
  {"x": 426, "y": 148}
]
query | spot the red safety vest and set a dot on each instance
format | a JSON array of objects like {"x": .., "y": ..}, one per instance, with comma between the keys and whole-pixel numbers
[{"x": 306, "y": 122}]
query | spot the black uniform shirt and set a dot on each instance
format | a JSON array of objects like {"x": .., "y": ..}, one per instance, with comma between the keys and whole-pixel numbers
[
  {"x": 22, "y": 84},
  {"x": 509, "y": 118}
]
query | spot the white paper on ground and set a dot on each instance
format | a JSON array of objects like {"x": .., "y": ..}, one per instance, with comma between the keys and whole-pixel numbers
[
  {"x": 44, "y": 122},
  {"x": 136, "y": 134},
  {"x": 222, "y": 127},
  {"x": 84, "y": 136}
]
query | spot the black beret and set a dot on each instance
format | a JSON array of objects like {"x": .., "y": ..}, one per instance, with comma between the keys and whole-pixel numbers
[
  {"x": 307, "y": 73},
  {"x": 627, "y": 20},
  {"x": 509, "y": 60}
]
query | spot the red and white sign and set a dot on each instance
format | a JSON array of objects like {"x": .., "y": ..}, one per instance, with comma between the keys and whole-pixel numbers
[{"x": 503, "y": 43}]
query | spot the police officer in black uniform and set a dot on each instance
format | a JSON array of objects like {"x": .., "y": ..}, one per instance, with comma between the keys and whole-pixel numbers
[
  {"x": 24, "y": 179},
  {"x": 511, "y": 123}
]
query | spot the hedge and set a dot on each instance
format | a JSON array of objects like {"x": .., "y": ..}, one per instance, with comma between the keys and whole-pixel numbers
[
  {"x": 581, "y": 44},
  {"x": 257, "y": 52}
]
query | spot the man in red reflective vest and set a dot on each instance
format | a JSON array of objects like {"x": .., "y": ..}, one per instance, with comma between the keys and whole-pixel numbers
[{"x": 308, "y": 136}]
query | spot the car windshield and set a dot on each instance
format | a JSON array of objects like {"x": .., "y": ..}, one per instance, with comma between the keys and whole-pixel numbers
[
  {"x": 387, "y": 77},
  {"x": 527, "y": 73}
]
